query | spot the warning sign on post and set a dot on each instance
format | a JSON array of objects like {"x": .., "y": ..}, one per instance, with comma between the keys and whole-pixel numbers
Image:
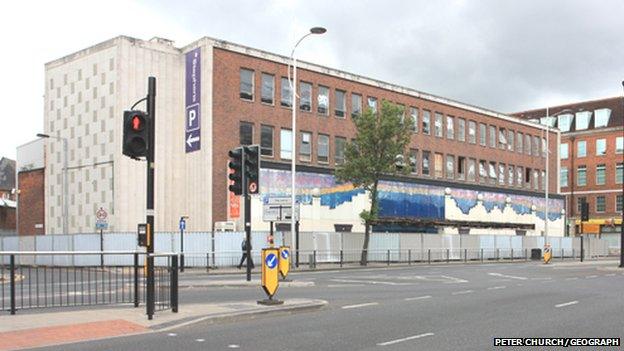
[
  {"x": 270, "y": 278},
  {"x": 284, "y": 260},
  {"x": 547, "y": 253}
]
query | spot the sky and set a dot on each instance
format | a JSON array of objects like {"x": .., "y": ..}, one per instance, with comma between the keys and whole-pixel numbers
[{"x": 502, "y": 55}]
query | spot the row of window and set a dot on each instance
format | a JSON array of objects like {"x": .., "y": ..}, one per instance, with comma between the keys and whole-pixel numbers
[
  {"x": 421, "y": 120},
  {"x": 421, "y": 162},
  {"x": 601, "y": 148},
  {"x": 601, "y": 203},
  {"x": 601, "y": 171},
  {"x": 581, "y": 120}
]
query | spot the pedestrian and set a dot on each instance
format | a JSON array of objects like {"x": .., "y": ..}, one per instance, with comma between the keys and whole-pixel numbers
[{"x": 244, "y": 248}]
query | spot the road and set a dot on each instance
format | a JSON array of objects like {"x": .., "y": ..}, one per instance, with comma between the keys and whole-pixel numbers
[{"x": 448, "y": 307}]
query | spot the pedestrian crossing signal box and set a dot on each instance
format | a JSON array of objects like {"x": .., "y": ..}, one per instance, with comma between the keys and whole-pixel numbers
[
  {"x": 284, "y": 261},
  {"x": 270, "y": 278},
  {"x": 142, "y": 234}
]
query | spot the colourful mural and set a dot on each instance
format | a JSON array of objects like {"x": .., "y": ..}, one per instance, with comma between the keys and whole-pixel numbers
[{"x": 397, "y": 199}]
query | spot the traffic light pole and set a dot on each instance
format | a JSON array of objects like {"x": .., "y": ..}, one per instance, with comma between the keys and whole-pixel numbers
[{"x": 151, "y": 112}]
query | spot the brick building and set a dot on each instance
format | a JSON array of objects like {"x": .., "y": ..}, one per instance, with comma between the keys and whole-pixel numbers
[
  {"x": 592, "y": 159},
  {"x": 473, "y": 168},
  {"x": 7, "y": 196},
  {"x": 31, "y": 185}
]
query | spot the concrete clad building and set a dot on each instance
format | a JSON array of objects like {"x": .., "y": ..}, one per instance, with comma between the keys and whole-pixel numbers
[
  {"x": 592, "y": 160},
  {"x": 475, "y": 170}
]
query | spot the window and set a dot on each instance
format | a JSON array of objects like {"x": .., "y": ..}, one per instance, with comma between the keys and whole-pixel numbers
[
  {"x": 564, "y": 122},
  {"x": 619, "y": 203},
  {"x": 414, "y": 119},
  {"x": 472, "y": 132},
  {"x": 461, "y": 167},
  {"x": 548, "y": 121},
  {"x": 492, "y": 136},
  {"x": 510, "y": 175},
  {"x": 519, "y": 172},
  {"x": 450, "y": 167},
  {"x": 450, "y": 127},
  {"x": 426, "y": 122},
  {"x": 372, "y": 103},
  {"x": 482, "y": 171},
  {"x": 502, "y": 138},
  {"x": 601, "y": 174},
  {"x": 438, "y": 164},
  {"x": 563, "y": 151},
  {"x": 527, "y": 177},
  {"x": 286, "y": 92},
  {"x": 601, "y": 147},
  {"x": 581, "y": 200},
  {"x": 340, "y": 103},
  {"x": 322, "y": 103},
  {"x": 286, "y": 144},
  {"x": 438, "y": 125},
  {"x": 426, "y": 158},
  {"x": 305, "y": 149},
  {"x": 600, "y": 204},
  {"x": 582, "y": 120},
  {"x": 492, "y": 172},
  {"x": 461, "y": 129},
  {"x": 305, "y": 94},
  {"x": 510, "y": 140},
  {"x": 581, "y": 176},
  {"x": 619, "y": 173},
  {"x": 266, "y": 141},
  {"x": 581, "y": 149},
  {"x": 246, "y": 133},
  {"x": 619, "y": 145},
  {"x": 323, "y": 148},
  {"x": 482, "y": 132},
  {"x": 413, "y": 161},
  {"x": 471, "y": 169},
  {"x": 268, "y": 88},
  {"x": 519, "y": 146},
  {"x": 601, "y": 117},
  {"x": 564, "y": 177},
  {"x": 536, "y": 146},
  {"x": 527, "y": 144},
  {"x": 341, "y": 143},
  {"x": 501, "y": 174},
  {"x": 543, "y": 178},
  {"x": 356, "y": 105},
  {"x": 246, "y": 84}
]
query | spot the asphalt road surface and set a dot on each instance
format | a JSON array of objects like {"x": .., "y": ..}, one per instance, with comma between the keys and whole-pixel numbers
[{"x": 450, "y": 307}]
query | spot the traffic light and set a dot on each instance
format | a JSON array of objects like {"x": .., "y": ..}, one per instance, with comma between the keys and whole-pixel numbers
[
  {"x": 584, "y": 211},
  {"x": 135, "y": 134},
  {"x": 236, "y": 170},
  {"x": 252, "y": 168}
]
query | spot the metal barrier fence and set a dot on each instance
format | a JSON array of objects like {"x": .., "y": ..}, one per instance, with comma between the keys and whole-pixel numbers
[{"x": 29, "y": 286}]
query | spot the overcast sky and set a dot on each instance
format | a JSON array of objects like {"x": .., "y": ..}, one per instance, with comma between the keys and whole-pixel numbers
[{"x": 506, "y": 56}]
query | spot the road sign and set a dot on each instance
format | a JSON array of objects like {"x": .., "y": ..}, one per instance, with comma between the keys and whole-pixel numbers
[
  {"x": 284, "y": 200},
  {"x": 279, "y": 213},
  {"x": 284, "y": 261},
  {"x": 182, "y": 224},
  {"x": 101, "y": 214},
  {"x": 192, "y": 130},
  {"x": 101, "y": 224},
  {"x": 270, "y": 281}
]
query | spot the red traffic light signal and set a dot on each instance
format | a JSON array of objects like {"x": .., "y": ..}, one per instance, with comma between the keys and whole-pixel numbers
[
  {"x": 135, "y": 134},
  {"x": 138, "y": 124}
]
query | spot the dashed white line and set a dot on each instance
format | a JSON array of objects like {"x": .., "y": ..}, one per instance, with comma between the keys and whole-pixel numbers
[
  {"x": 610, "y": 275},
  {"x": 496, "y": 287},
  {"x": 360, "y": 305},
  {"x": 404, "y": 339},
  {"x": 172, "y": 334},
  {"x": 343, "y": 285},
  {"x": 591, "y": 276},
  {"x": 462, "y": 292},
  {"x": 418, "y": 298},
  {"x": 233, "y": 346},
  {"x": 373, "y": 282},
  {"x": 200, "y": 340},
  {"x": 566, "y": 304},
  {"x": 507, "y": 276},
  {"x": 575, "y": 278}
]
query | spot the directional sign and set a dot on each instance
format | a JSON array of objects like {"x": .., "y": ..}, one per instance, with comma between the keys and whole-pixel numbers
[
  {"x": 101, "y": 224},
  {"x": 192, "y": 141},
  {"x": 278, "y": 213},
  {"x": 192, "y": 130},
  {"x": 284, "y": 261},
  {"x": 270, "y": 281},
  {"x": 182, "y": 224}
]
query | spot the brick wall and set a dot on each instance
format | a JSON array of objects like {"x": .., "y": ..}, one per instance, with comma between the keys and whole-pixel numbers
[{"x": 31, "y": 202}]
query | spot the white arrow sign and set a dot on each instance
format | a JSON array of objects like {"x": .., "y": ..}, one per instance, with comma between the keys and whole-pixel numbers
[{"x": 191, "y": 140}]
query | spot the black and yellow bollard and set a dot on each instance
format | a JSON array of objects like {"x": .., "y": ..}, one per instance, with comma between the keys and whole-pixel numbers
[{"x": 270, "y": 275}]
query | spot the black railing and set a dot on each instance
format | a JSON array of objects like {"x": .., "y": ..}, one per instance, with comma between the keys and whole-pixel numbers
[{"x": 27, "y": 284}]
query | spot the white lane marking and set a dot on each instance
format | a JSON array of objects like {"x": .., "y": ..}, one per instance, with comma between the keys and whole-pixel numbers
[
  {"x": 591, "y": 276},
  {"x": 200, "y": 340},
  {"x": 566, "y": 304},
  {"x": 462, "y": 292},
  {"x": 343, "y": 285},
  {"x": 360, "y": 305},
  {"x": 610, "y": 275},
  {"x": 454, "y": 280},
  {"x": 507, "y": 276},
  {"x": 518, "y": 284},
  {"x": 575, "y": 278},
  {"x": 496, "y": 287},
  {"x": 545, "y": 278},
  {"x": 548, "y": 281},
  {"x": 404, "y": 339},
  {"x": 369, "y": 282},
  {"x": 418, "y": 298},
  {"x": 233, "y": 346},
  {"x": 172, "y": 334}
]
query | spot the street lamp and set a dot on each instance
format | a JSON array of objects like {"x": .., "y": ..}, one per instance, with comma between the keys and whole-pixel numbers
[
  {"x": 622, "y": 223},
  {"x": 293, "y": 88},
  {"x": 65, "y": 212}
]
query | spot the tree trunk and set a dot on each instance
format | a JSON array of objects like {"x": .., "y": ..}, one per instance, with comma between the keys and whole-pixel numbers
[{"x": 367, "y": 226}]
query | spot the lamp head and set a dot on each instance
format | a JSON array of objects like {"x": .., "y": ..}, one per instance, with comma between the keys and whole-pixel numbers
[
  {"x": 317, "y": 30},
  {"x": 40, "y": 135}
]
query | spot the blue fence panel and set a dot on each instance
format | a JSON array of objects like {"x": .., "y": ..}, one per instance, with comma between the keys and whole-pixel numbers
[
  {"x": 120, "y": 242},
  {"x": 87, "y": 242},
  {"x": 44, "y": 243}
]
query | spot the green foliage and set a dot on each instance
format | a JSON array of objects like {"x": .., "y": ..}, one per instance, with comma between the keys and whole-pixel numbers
[{"x": 381, "y": 137}]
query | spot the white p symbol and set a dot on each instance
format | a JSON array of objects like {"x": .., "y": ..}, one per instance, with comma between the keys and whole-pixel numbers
[{"x": 191, "y": 117}]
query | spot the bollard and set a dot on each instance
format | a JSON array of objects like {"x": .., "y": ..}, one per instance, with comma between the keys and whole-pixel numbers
[
  {"x": 314, "y": 258},
  {"x": 136, "y": 279},
  {"x": 341, "y": 258},
  {"x": 181, "y": 262},
  {"x": 12, "y": 280},
  {"x": 409, "y": 257},
  {"x": 526, "y": 257},
  {"x": 429, "y": 256},
  {"x": 465, "y": 255},
  {"x": 207, "y": 262},
  {"x": 388, "y": 258},
  {"x": 481, "y": 255},
  {"x": 173, "y": 284}
]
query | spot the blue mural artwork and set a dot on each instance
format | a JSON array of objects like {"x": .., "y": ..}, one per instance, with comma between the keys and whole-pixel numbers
[{"x": 397, "y": 199}]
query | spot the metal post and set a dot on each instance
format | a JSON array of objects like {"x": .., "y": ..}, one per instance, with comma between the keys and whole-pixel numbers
[
  {"x": 151, "y": 112},
  {"x": 409, "y": 257},
  {"x": 573, "y": 255},
  {"x": 207, "y": 261},
  {"x": 512, "y": 255},
  {"x": 101, "y": 248},
  {"x": 481, "y": 255},
  {"x": 296, "y": 240},
  {"x": 247, "y": 198},
  {"x": 582, "y": 251},
  {"x": 388, "y": 258},
  {"x": 136, "y": 279},
  {"x": 173, "y": 284},
  {"x": 181, "y": 249},
  {"x": 526, "y": 257},
  {"x": 497, "y": 254},
  {"x": 314, "y": 257},
  {"x": 12, "y": 280},
  {"x": 429, "y": 256},
  {"x": 465, "y": 255},
  {"x": 448, "y": 255},
  {"x": 341, "y": 258},
  {"x": 562, "y": 254}
]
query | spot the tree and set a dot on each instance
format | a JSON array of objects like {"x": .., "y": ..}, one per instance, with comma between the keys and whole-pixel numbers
[{"x": 378, "y": 150}]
